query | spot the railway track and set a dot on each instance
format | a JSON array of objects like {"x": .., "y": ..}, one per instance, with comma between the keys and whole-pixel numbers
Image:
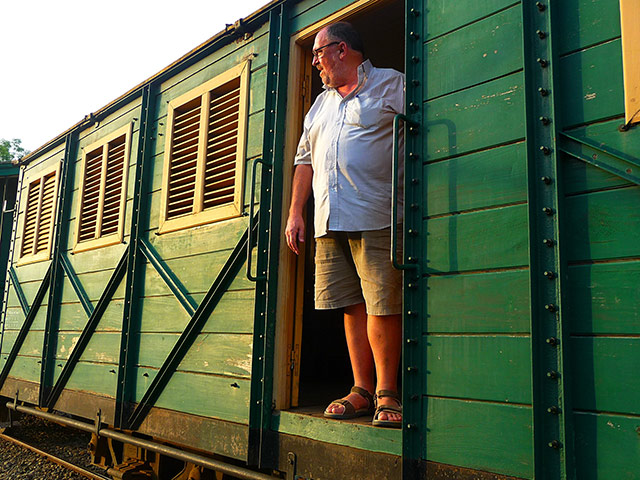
[{"x": 53, "y": 458}]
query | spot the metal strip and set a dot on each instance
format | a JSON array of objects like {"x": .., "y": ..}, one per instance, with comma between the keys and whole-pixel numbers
[
  {"x": 19, "y": 292},
  {"x": 63, "y": 206},
  {"x": 188, "y": 336},
  {"x": 87, "y": 331},
  {"x": 260, "y": 408},
  {"x": 414, "y": 433},
  {"x": 601, "y": 157},
  {"x": 252, "y": 198},
  {"x": 169, "y": 278},
  {"x": 77, "y": 286},
  {"x": 135, "y": 266},
  {"x": 552, "y": 412},
  {"x": 26, "y": 326}
]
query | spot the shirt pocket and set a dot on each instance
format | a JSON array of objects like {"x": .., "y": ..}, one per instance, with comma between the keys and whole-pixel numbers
[{"x": 364, "y": 112}]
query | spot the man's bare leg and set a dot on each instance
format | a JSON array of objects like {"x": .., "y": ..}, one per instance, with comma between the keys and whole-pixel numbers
[
  {"x": 360, "y": 354},
  {"x": 385, "y": 338}
]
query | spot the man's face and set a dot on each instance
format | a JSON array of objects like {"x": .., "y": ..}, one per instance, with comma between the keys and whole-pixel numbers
[{"x": 327, "y": 61}]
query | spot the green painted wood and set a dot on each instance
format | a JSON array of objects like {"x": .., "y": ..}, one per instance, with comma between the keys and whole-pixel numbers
[
  {"x": 215, "y": 237},
  {"x": 582, "y": 177},
  {"x": 29, "y": 289},
  {"x": 603, "y": 225},
  {"x": 606, "y": 447},
  {"x": 257, "y": 86},
  {"x": 605, "y": 298},
  {"x": 476, "y": 118},
  {"x": 491, "y": 437},
  {"x": 489, "y": 48},
  {"x": 32, "y": 271},
  {"x": 591, "y": 84},
  {"x": 103, "y": 347},
  {"x": 32, "y": 345},
  {"x": 482, "y": 303},
  {"x": 443, "y": 16},
  {"x": 485, "y": 179},
  {"x": 200, "y": 394},
  {"x": 588, "y": 22},
  {"x": 496, "y": 368},
  {"x": 15, "y": 320},
  {"x": 73, "y": 317},
  {"x": 220, "y": 354},
  {"x": 97, "y": 378},
  {"x": 26, "y": 368},
  {"x": 496, "y": 238},
  {"x": 231, "y": 315},
  {"x": 605, "y": 374},
  {"x": 93, "y": 284},
  {"x": 308, "y": 12},
  {"x": 364, "y": 437},
  {"x": 124, "y": 115}
]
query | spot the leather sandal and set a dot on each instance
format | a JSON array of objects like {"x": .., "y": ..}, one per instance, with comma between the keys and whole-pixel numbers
[
  {"x": 387, "y": 409},
  {"x": 349, "y": 410}
]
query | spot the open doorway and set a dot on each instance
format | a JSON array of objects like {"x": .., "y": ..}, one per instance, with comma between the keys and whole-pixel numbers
[{"x": 320, "y": 368}]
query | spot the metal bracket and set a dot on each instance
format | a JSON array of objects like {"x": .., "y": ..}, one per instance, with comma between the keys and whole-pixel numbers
[
  {"x": 98, "y": 422},
  {"x": 291, "y": 466}
]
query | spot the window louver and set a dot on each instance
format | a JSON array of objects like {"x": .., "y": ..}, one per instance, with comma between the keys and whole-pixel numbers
[
  {"x": 205, "y": 152},
  {"x": 220, "y": 165},
  {"x": 39, "y": 215},
  {"x": 184, "y": 159},
  {"x": 101, "y": 207}
]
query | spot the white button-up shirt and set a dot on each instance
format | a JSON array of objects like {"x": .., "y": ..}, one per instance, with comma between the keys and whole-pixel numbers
[{"x": 349, "y": 142}]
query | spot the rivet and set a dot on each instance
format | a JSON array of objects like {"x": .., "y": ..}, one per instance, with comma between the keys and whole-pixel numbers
[
  {"x": 413, "y": 130},
  {"x": 414, "y": 156},
  {"x": 543, "y": 91},
  {"x": 411, "y": 313},
  {"x": 414, "y": 206},
  {"x": 552, "y": 374},
  {"x": 546, "y": 180},
  {"x": 549, "y": 274},
  {"x": 547, "y": 210},
  {"x": 414, "y": 35},
  {"x": 541, "y": 34},
  {"x": 545, "y": 120},
  {"x": 413, "y": 106},
  {"x": 555, "y": 444},
  {"x": 412, "y": 259},
  {"x": 412, "y": 341},
  {"x": 415, "y": 83},
  {"x": 553, "y": 410},
  {"x": 541, "y": 6},
  {"x": 549, "y": 242},
  {"x": 545, "y": 150},
  {"x": 412, "y": 369},
  {"x": 553, "y": 341},
  {"x": 413, "y": 232},
  {"x": 415, "y": 59},
  {"x": 543, "y": 63},
  {"x": 415, "y": 397},
  {"x": 414, "y": 12},
  {"x": 415, "y": 181},
  {"x": 411, "y": 285},
  {"x": 551, "y": 307}
]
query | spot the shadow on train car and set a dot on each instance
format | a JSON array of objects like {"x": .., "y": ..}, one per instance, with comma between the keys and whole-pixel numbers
[{"x": 325, "y": 371}]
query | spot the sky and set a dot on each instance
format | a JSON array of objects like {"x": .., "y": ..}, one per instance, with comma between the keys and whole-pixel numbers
[{"x": 61, "y": 60}]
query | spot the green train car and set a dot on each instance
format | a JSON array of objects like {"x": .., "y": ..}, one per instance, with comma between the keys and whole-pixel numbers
[{"x": 151, "y": 298}]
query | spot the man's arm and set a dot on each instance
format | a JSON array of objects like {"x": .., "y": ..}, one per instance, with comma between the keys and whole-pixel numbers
[{"x": 294, "y": 231}]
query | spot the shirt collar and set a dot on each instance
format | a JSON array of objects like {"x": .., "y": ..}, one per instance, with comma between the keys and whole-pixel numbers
[{"x": 364, "y": 70}]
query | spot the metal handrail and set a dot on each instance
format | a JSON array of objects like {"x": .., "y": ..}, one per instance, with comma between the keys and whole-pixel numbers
[
  {"x": 394, "y": 192},
  {"x": 251, "y": 218}
]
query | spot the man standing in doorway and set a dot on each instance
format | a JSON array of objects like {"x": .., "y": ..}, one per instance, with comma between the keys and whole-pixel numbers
[{"x": 344, "y": 156}]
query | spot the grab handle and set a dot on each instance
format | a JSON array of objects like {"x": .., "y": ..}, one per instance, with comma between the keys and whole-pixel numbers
[
  {"x": 394, "y": 192},
  {"x": 252, "y": 219}
]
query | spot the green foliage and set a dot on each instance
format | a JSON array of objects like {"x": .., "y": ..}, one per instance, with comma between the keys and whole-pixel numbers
[{"x": 11, "y": 150}]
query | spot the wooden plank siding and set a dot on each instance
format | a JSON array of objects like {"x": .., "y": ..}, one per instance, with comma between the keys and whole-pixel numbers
[
  {"x": 477, "y": 332},
  {"x": 601, "y": 232}
]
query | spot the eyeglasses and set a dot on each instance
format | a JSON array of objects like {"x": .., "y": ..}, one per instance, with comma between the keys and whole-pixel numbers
[{"x": 316, "y": 53}]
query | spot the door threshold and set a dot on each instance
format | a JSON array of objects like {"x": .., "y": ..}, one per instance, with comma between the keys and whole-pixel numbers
[{"x": 356, "y": 433}]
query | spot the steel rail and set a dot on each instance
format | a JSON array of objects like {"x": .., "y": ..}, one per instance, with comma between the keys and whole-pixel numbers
[
  {"x": 53, "y": 458},
  {"x": 206, "y": 462}
]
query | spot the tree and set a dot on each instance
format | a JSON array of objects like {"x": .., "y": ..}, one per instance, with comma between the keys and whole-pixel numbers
[{"x": 11, "y": 150}]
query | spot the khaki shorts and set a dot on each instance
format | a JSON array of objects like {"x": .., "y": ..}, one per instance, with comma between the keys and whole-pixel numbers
[{"x": 355, "y": 267}]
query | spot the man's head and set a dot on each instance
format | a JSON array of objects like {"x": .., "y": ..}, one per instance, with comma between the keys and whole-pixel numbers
[{"x": 338, "y": 50}]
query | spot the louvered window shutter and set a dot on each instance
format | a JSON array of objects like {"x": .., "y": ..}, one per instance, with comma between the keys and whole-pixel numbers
[
  {"x": 113, "y": 186},
  {"x": 39, "y": 215},
  {"x": 184, "y": 159},
  {"x": 222, "y": 144},
  {"x": 91, "y": 195}
]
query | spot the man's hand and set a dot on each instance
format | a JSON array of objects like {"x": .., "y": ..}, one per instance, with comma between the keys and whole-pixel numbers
[{"x": 294, "y": 232}]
